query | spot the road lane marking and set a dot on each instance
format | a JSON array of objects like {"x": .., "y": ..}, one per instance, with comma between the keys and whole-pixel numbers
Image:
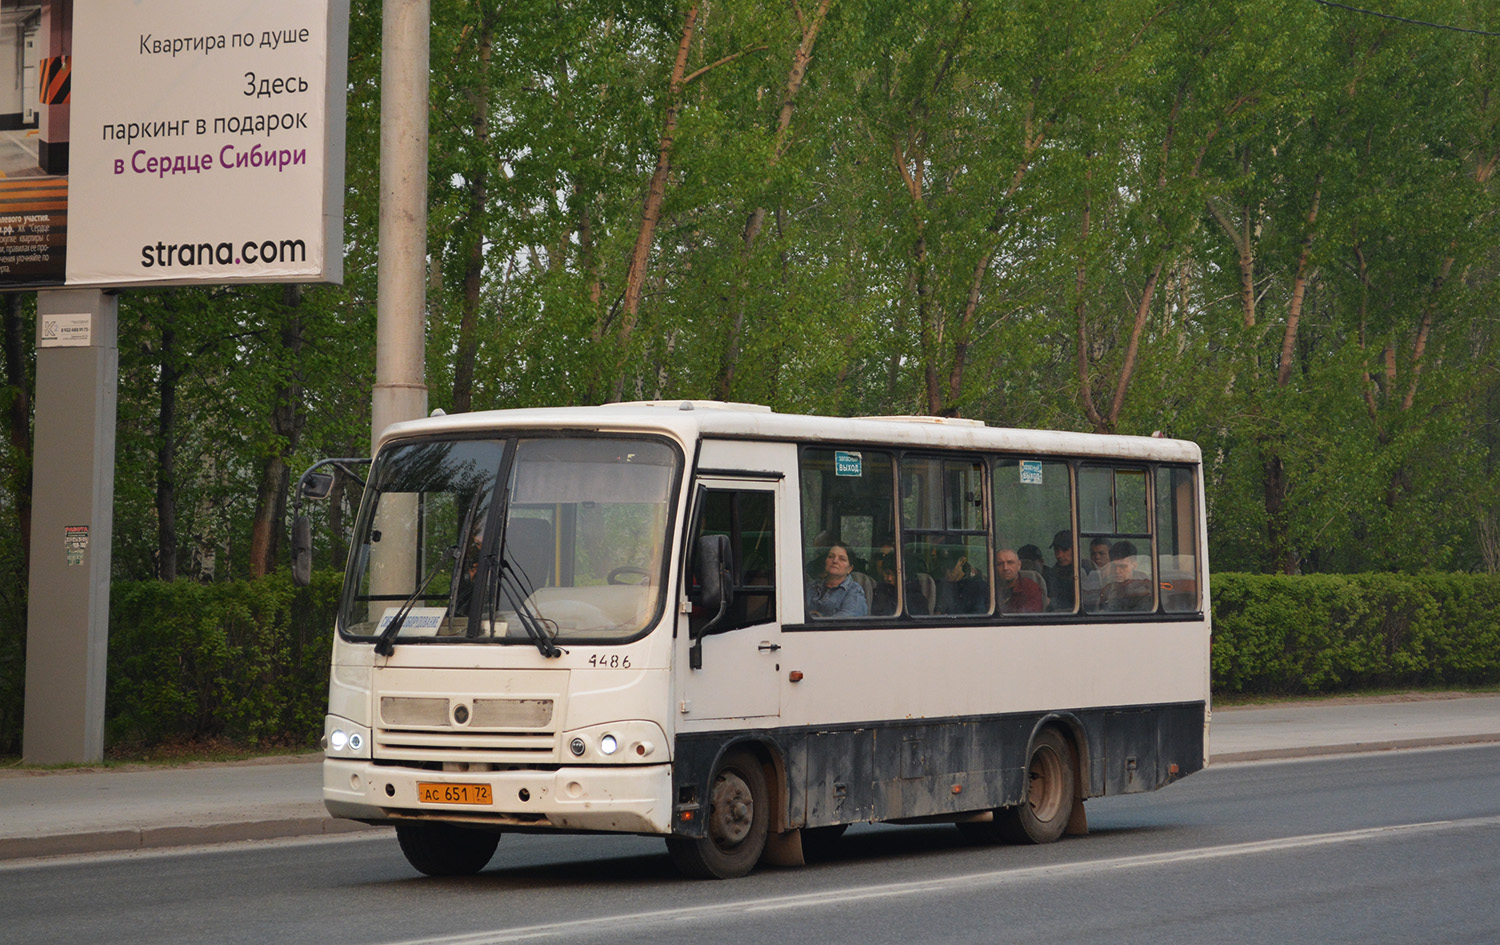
[{"x": 966, "y": 881}]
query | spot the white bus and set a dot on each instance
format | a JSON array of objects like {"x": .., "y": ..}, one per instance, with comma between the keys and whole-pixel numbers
[{"x": 743, "y": 631}]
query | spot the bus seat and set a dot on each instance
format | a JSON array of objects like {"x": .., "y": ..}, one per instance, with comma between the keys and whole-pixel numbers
[
  {"x": 929, "y": 589},
  {"x": 528, "y": 545},
  {"x": 866, "y": 583}
]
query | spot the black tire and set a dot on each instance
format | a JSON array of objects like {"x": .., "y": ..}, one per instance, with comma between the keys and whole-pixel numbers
[
  {"x": 1051, "y": 783},
  {"x": 819, "y": 843},
  {"x": 441, "y": 850},
  {"x": 738, "y": 815}
]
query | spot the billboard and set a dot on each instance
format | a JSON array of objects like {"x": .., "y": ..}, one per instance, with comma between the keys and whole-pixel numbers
[{"x": 172, "y": 142}]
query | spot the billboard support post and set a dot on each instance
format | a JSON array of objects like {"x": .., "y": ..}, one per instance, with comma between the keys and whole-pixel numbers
[
  {"x": 67, "y": 623},
  {"x": 400, "y": 391}
]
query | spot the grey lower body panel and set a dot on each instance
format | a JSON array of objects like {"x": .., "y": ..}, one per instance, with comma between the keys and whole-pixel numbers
[{"x": 934, "y": 768}]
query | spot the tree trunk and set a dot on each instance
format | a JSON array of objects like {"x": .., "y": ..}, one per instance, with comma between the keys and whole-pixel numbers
[
  {"x": 468, "y": 340},
  {"x": 166, "y": 453},
  {"x": 1299, "y": 290},
  {"x": 801, "y": 58},
  {"x": 1278, "y": 533},
  {"x": 1085, "y": 383},
  {"x": 1142, "y": 311},
  {"x": 640, "y": 255},
  {"x": 286, "y": 422}
]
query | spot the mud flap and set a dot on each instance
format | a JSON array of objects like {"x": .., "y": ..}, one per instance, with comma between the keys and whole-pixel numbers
[
  {"x": 784, "y": 849},
  {"x": 1078, "y": 820}
]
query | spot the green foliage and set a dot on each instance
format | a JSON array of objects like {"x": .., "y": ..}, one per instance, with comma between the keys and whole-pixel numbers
[
  {"x": 1336, "y": 633},
  {"x": 242, "y": 660},
  {"x": 12, "y": 651}
]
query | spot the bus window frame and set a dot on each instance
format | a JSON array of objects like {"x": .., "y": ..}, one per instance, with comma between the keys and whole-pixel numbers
[{"x": 987, "y": 459}]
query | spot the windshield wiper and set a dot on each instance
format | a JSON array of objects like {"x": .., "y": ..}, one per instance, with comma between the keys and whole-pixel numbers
[
  {"x": 386, "y": 645},
  {"x": 531, "y": 621}
]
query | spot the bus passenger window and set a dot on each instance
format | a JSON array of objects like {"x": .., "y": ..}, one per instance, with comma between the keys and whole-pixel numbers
[
  {"x": 848, "y": 518},
  {"x": 1177, "y": 540},
  {"x": 1113, "y": 516},
  {"x": 946, "y": 536},
  {"x": 1034, "y": 520}
]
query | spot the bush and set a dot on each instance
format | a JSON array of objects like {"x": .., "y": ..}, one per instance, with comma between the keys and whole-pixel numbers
[
  {"x": 1326, "y": 633},
  {"x": 245, "y": 661}
]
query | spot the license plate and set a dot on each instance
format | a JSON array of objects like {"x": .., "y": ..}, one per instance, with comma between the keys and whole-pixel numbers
[{"x": 431, "y": 792}]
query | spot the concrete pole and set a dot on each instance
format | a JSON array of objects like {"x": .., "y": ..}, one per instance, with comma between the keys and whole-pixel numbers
[
  {"x": 72, "y": 524},
  {"x": 400, "y": 391}
]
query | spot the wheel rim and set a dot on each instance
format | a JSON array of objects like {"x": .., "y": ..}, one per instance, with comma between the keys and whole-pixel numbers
[
  {"x": 733, "y": 811},
  {"x": 1045, "y": 796}
]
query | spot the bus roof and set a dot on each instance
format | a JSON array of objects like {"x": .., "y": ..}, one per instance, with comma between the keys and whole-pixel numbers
[{"x": 689, "y": 420}]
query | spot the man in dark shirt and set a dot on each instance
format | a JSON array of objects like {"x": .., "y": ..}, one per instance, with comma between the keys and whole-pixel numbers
[{"x": 1059, "y": 576}]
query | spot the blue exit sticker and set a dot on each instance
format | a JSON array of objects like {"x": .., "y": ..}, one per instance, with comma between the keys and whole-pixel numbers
[
  {"x": 847, "y": 463},
  {"x": 1031, "y": 472}
]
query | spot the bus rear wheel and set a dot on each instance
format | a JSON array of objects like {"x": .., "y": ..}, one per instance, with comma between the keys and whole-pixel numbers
[
  {"x": 737, "y": 824},
  {"x": 441, "y": 850},
  {"x": 1043, "y": 815}
]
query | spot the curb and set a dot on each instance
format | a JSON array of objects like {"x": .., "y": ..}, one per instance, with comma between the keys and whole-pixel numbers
[
  {"x": 1351, "y": 748},
  {"x": 148, "y": 838}
]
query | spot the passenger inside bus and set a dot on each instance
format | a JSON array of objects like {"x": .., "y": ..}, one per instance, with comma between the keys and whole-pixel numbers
[
  {"x": 1018, "y": 594},
  {"x": 962, "y": 589},
  {"x": 1095, "y": 573},
  {"x": 1031, "y": 558},
  {"x": 883, "y": 602},
  {"x": 1125, "y": 588},
  {"x": 1059, "y": 576},
  {"x": 836, "y": 593}
]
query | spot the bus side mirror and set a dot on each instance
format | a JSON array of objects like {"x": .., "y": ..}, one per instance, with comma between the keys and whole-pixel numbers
[
  {"x": 715, "y": 589},
  {"x": 302, "y": 550},
  {"x": 715, "y": 583},
  {"x": 315, "y": 485}
]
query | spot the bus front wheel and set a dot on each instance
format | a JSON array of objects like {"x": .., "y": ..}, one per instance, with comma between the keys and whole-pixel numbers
[
  {"x": 441, "y": 850},
  {"x": 737, "y": 825},
  {"x": 1043, "y": 815}
]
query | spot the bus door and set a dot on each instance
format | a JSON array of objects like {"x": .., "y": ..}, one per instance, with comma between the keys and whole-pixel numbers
[{"x": 738, "y": 669}]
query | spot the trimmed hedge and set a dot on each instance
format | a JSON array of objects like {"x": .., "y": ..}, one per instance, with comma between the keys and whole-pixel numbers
[
  {"x": 245, "y": 661},
  {"x": 1324, "y": 633},
  {"x": 248, "y": 661}
]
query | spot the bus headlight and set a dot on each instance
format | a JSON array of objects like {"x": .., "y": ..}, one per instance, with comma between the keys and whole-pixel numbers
[
  {"x": 345, "y": 739},
  {"x": 616, "y": 742}
]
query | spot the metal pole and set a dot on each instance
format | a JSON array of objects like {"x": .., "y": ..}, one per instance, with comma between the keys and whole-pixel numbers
[
  {"x": 72, "y": 523},
  {"x": 400, "y": 391}
]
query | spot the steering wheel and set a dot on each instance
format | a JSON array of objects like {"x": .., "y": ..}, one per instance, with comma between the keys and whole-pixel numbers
[{"x": 627, "y": 570}]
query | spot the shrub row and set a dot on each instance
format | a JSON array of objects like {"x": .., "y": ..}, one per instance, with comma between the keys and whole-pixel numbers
[
  {"x": 248, "y": 661},
  {"x": 245, "y": 661},
  {"x": 1326, "y": 633}
]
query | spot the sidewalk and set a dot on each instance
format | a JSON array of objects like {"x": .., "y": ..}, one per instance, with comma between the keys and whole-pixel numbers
[{"x": 93, "y": 811}]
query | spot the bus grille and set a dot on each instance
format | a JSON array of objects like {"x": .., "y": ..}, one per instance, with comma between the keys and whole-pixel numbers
[
  {"x": 469, "y": 747},
  {"x": 497, "y": 731}
]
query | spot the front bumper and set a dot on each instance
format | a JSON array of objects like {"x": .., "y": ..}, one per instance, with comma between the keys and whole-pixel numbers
[{"x": 621, "y": 799}]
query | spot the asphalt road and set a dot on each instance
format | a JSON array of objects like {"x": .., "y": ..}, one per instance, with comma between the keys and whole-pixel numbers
[{"x": 1391, "y": 847}]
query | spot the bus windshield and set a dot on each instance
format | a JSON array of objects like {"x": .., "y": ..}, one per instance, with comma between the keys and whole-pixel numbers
[{"x": 512, "y": 540}]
